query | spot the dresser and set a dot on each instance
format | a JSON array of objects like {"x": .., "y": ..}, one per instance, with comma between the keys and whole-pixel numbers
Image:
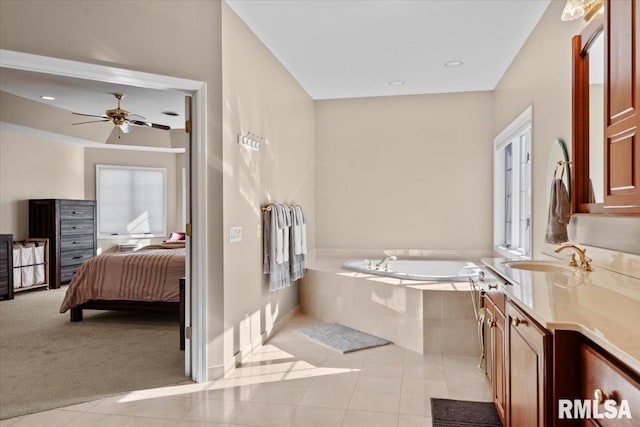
[
  {"x": 6, "y": 267},
  {"x": 70, "y": 226}
]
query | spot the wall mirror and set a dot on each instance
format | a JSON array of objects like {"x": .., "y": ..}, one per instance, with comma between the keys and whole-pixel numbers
[{"x": 588, "y": 119}]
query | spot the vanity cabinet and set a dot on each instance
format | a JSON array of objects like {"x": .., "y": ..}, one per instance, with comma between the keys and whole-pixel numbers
[
  {"x": 495, "y": 336},
  {"x": 585, "y": 371},
  {"x": 528, "y": 350}
]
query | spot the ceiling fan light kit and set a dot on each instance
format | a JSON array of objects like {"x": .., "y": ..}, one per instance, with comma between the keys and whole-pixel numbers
[{"x": 122, "y": 118}]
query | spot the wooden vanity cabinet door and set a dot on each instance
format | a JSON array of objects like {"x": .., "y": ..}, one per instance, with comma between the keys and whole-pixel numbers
[
  {"x": 496, "y": 346},
  {"x": 601, "y": 372},
  {"x": 622, "y": 115},
  {"x": 528, "y": 350}
]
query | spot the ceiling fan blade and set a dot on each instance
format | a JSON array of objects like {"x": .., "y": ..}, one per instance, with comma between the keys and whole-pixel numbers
[
  {"x": 149, "y": 124},
  {"x": 91, "y": 115},
  {"x": 140, "y": 123},
  {"x": 159, "y": 126},
  {"x": 92, "y": 121},
  {"x": 125, "y": 128},
  {"x": 135, "y": 117}
]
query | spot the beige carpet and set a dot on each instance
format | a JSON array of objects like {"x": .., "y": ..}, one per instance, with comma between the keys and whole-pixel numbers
[{"x": 48, "y": 362}]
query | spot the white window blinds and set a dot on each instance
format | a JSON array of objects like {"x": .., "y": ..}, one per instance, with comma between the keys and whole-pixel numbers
[{"x": 131, "y": 201}]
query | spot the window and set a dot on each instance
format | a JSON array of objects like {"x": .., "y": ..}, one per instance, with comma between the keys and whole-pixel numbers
[
  {"x": 131, "y": 201},
  {"x": 512, "y": 187}
]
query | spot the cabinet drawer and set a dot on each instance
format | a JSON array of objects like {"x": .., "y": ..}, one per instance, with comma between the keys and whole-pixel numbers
[
  {"x": 66, "y": 273},
  {"x": 75, "y": 257},
  {"x": 601, "y": 373},
  {"x": 4, "y": 251},
  {"x": 74, "y": 242},
  {"x": 76, "y": 211},
  {"x": 68, "y": 227}
]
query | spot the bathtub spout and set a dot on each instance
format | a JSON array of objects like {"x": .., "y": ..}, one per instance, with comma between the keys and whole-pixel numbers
[{"x": 383, "y": 264}]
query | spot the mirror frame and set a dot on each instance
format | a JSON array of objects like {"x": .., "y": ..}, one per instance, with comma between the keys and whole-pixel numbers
[{"x": 580, "y": 119}]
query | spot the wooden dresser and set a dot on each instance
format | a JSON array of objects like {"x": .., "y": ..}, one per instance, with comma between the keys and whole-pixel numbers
[
  {"x": 6, "y": 267},
  {"x": 70, "y": 226}
]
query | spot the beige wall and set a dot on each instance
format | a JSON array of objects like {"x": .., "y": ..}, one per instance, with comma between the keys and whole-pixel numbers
[
  {"x": 260, "y": 95},
  {"x": 404, "y": 172},
  {"x": 88, "y": 31},
  {"x": 100, "y": 156},
  {"x": 33, "y": 168},
  {"x": 541, "y": 76}
]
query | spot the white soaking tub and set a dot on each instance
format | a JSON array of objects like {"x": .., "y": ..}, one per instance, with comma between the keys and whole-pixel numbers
[{"x": 431, "y": 270}]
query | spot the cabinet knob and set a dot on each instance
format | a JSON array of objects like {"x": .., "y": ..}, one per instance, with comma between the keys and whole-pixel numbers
[
  {"x": 600, "y": 396},
  {"x": 518, "y": 321},
  {"x": 493, "y": 286}
]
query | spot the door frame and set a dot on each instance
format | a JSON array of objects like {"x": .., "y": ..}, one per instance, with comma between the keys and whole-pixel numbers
[{"x": 196, "y": 313}]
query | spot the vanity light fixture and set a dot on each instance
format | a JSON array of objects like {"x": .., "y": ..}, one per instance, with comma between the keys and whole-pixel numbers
[
  {"x": 396, "y": 83},
  {"x": 453, "y": 64},
  {"x": 575, "y": 9},
  {"x": 48, "y": 97},
  {"x": 250, "y": 141}
]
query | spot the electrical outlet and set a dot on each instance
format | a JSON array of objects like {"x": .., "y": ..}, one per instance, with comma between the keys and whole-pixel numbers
[{"x": 235, "y": 234}]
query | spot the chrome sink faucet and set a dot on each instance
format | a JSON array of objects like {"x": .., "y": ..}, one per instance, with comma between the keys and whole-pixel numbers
[
  {"x": 383, "y": 264},
  {"x": 585, "y": 261}
]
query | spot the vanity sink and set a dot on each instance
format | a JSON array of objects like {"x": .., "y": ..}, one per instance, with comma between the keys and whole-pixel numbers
[{"x": 542, "y": 266}]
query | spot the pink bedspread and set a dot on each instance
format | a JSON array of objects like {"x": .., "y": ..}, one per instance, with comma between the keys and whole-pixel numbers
[{"x": 148, "y": 274}]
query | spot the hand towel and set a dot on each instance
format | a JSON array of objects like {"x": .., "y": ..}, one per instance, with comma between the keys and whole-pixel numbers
[
  {"x": 280, "y": 225},
  {"x": 297, "y": 259},
  {"x": 297, "y": 231},
  {"x": 559, "y": 210},
  {"x": 303, "y": 230},
  {"x": 285, "y": 232}
]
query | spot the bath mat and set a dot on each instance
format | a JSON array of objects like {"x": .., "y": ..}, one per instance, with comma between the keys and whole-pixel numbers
[
  {"x": 340, "y": 338},
  {"x": 462, "y": 413}
]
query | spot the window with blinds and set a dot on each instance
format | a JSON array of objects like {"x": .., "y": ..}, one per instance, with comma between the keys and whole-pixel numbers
[{"x": 131, "y": 201}]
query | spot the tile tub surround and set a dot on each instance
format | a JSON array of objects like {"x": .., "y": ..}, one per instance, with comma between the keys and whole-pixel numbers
[{"x": 422, "y": 316}]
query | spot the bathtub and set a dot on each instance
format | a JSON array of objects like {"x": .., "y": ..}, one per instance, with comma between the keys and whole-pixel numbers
[{"x": 428, "y": 270}]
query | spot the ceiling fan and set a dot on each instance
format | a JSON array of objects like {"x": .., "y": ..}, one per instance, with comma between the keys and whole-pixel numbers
[{"x": 122, "y": 118}]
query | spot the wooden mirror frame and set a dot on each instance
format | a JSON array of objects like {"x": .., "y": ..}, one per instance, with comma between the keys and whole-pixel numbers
[{"x": 580, "y": 119}]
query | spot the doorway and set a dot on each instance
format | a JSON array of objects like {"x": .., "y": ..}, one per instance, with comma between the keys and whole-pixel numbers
[{"x": 195, "y": 161}]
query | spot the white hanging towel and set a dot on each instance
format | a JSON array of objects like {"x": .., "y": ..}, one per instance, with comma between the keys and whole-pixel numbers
[
  {"x": 285, "y": 232},
  {"x": 279, "y": 233},
  {"x": 303, "y": 229},
  {"x": 297, "y": 231},
  {"x": 278, "y": 273}
]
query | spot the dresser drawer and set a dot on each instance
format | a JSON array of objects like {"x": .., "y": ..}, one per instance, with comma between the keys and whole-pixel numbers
[
  {"x": 66, "y": 273},
  {"x": 4, "y": 251},
  {"x": 4, "y": 269},
  {"x": 76, "y": 211},
  {"x": 74, "y": 242},
  {"x": 600, "y": 373},
  {"x": 75, "y": 257},
  {"x": 4, "y": 285},
  {"x": 69, "y": 227}
]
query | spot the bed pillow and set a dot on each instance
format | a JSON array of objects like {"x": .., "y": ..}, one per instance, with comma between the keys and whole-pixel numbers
[{"x": 176, "y": 236}]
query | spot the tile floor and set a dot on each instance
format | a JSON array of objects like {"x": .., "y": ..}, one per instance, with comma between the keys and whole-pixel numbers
[{"x": 292, "y": 382}]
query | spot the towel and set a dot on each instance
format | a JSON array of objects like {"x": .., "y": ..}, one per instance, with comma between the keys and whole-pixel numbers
[
  {"x": 279, "y": 232},
  {"x": 297, "y": 258},
  {"x": 559, "y": 210},
  {"x": 278, "y": 272},
  {"x": 285, "y": 232},
  {"x": 303, "y": 229}
]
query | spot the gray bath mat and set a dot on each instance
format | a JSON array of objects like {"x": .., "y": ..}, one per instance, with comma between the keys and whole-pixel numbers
[
  {"x": 340, "y": 338},
  {"x": 462, "y": 413}
]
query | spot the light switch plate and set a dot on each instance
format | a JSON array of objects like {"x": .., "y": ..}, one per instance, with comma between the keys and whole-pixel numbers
[{"x": 235, "y": 234}]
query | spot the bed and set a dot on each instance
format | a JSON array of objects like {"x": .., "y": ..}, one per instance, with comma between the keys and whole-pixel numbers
[{"x": 148, "y": 279}]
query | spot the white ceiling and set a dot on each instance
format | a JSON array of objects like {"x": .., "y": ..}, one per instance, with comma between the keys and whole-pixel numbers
[
  {"x": 344, "y": 49},
  {"x": 92, "y": 97}
]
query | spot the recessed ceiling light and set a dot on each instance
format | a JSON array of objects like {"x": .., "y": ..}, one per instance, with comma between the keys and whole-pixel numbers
[
  {"x": 170, "y": 113},
  {"x": 48, "y": 98},
  {"x": 396, "y": 83},
  {"x": 452, "y": 64}
]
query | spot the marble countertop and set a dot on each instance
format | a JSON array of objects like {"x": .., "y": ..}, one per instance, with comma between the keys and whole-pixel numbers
[{"x": 602, "y": 305}]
